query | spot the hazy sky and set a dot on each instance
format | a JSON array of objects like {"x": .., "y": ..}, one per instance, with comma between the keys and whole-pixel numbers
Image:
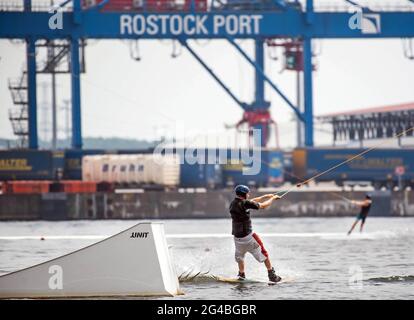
[{"x": 125, "y": 98}]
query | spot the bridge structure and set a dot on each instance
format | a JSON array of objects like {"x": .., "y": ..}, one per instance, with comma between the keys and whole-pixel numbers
[{"x": 292, "y": 24}]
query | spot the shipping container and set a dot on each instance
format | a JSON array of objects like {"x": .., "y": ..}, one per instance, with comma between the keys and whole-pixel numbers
[
  {"x": 26, "y": 187},
  {"x": 275, "y": 167},
  {"x": 31, "y": 165},
  {"x": 288, "y": 174},
  {"x": 70, "y": 186},
  {"x": 132, "y": 169},
  {"x": 199, "y": 168},
  {"x": 120, "y": 169},
  {"x": 165, "y": 170},
  {"x": 200, "y": 175},
  {"x": 378, "y": 167},
  {"x": 257, "y": 169},
  {"x": 73, "y": 159}
]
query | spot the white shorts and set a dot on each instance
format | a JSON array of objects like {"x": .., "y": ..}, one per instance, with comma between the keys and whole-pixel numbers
[{"x": 252, "y": 244}]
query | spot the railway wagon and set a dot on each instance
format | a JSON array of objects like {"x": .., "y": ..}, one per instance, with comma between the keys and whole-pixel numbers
[
  {"x": 223, "y": 170},
  {"x": 380, "y": 167}
]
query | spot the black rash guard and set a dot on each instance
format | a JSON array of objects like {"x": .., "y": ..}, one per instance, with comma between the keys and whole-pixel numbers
[
  {"x": 365, "y": 210},
  {"x": 240, "y": 215}
]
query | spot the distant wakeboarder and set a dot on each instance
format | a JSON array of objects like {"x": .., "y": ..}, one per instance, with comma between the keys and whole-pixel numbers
[{"x": 365, "y": 207}]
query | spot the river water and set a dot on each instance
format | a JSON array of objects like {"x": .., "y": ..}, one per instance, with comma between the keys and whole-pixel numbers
[{"x": 315, "y": 254}]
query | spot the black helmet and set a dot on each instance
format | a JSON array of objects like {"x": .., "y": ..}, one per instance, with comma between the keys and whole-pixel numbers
[{"x": 241, "y": 190}]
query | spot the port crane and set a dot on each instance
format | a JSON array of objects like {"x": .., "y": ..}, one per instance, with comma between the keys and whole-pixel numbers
[{"x": 267, "y": 22}]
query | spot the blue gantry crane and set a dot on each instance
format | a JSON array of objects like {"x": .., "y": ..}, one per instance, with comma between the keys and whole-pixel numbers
[{"x": 260, "y": 20}]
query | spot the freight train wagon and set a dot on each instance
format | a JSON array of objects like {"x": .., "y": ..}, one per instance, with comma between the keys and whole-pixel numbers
[
  {"x": 226, "y": 171},
  {"x": 380, "y": 167},
  {"x": 31, "y": 165}
]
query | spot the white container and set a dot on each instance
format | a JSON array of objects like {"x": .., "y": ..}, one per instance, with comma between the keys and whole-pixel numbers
[
  {"x": 132, "y": 169},
  {"x": 87, "y": 165},
  {"x": 166, "y": 170}
]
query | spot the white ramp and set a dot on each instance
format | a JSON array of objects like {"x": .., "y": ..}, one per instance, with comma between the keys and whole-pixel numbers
[{"x": 135, "y": 262}]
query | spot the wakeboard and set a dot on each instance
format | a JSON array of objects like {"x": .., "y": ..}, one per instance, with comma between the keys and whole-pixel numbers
[{"x": 251, "y": 281}]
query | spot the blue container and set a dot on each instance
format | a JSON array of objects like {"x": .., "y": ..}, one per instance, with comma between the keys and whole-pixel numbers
[
  {"x": 31, "y": 165},
  {"x": 275, "y": 167},
  {"x": 288, "y": 174},
  {"x": 199, "y": 175},
  {"x": 375, "y": 166},
  {"x": 200, "y": 172},
  {"x": 262, "y": 169}
]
